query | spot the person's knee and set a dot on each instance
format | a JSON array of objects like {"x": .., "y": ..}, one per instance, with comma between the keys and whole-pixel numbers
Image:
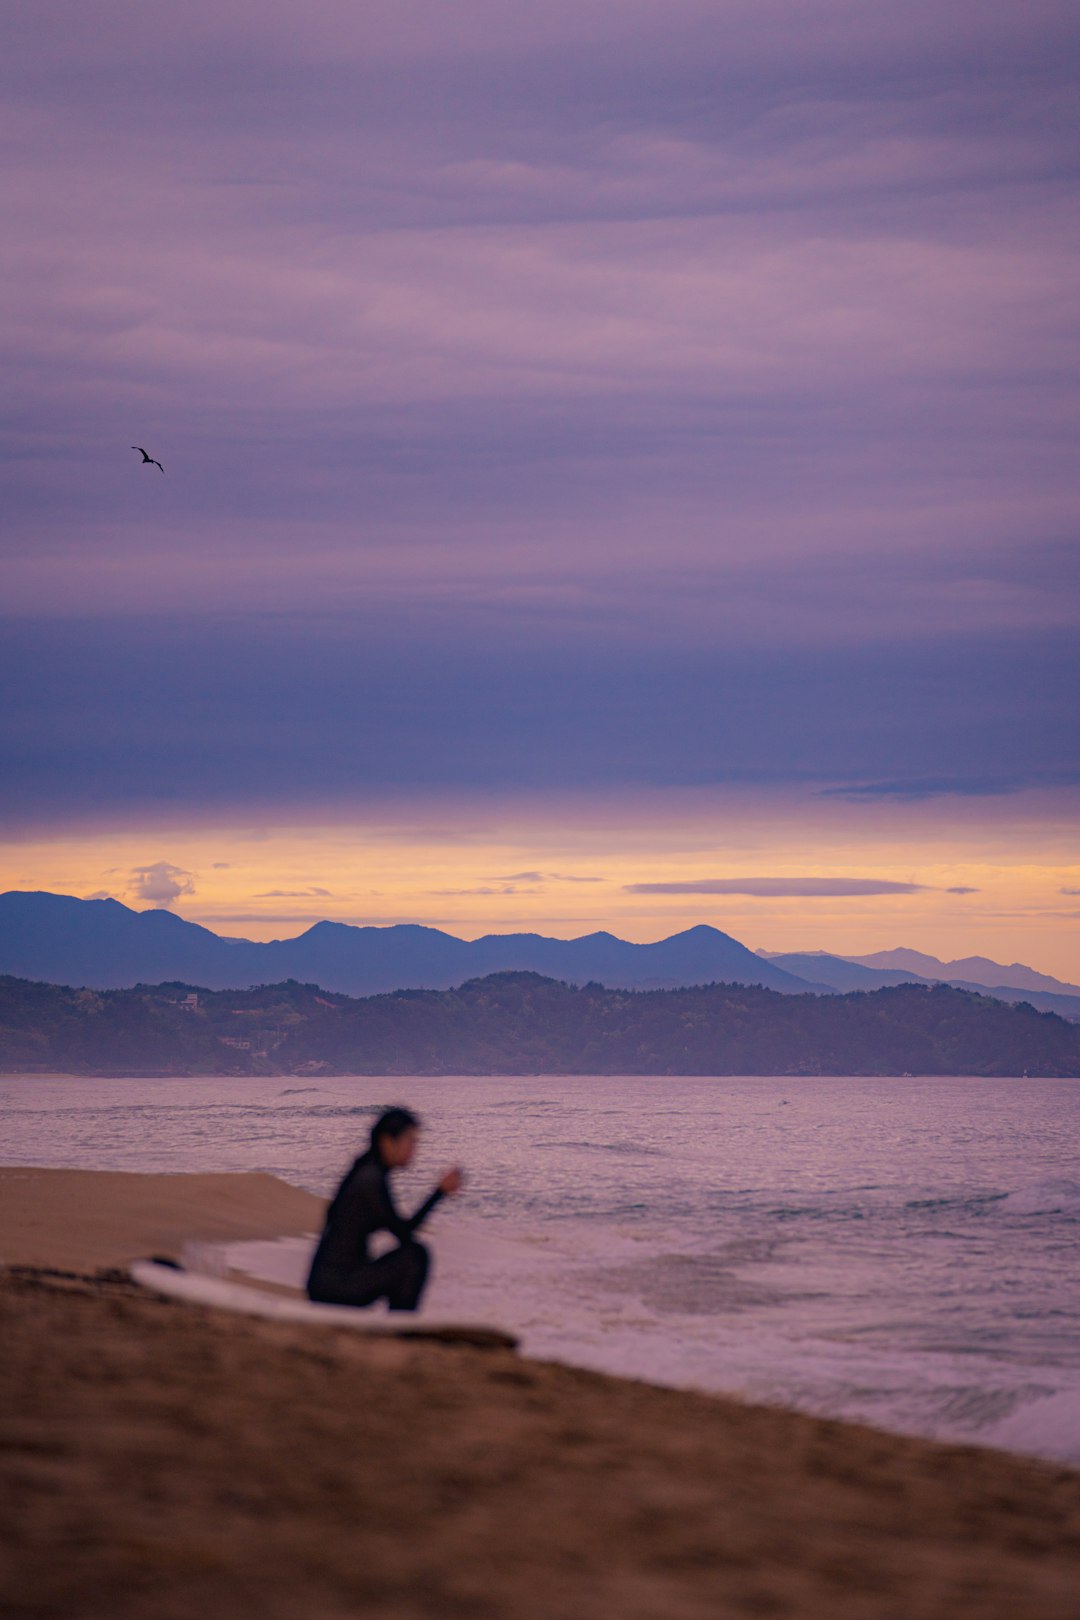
[
  {"x": 410, "y": 1268},
  {"x": 419, "y": 1258}
]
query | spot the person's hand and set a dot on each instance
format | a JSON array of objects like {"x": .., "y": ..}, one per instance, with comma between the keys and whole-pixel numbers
[{"x": 452, "y": 1182}]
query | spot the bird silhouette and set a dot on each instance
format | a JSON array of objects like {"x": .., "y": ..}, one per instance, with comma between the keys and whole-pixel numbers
[{"x": 147, "y": 459}]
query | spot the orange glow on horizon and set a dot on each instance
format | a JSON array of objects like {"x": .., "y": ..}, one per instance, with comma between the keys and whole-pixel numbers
[{"x": 565, "y": 869}]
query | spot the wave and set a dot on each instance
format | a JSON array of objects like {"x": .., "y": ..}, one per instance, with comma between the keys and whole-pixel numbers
[
  {"x": 635, "y": 1149},
  {"x": 1049, "y": 1427},
  {"x": 1053, "y": 1197}
]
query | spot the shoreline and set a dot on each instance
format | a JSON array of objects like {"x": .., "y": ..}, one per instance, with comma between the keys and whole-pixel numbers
[
  {"x": 502, "y": 1074},
  {"x": 180, "y": 1459}
]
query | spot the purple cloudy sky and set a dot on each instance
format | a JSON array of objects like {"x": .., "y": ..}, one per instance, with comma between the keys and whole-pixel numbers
[{"x": 594, "y": 399}]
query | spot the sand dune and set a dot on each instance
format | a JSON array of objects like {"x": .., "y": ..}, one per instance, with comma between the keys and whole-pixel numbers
[{"x": 162, "y": 1461}]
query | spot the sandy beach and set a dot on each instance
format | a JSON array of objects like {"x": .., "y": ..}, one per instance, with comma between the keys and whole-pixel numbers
[
  {"x": 94, "y": 1219},
  {"x": 165, "y": 1461}
]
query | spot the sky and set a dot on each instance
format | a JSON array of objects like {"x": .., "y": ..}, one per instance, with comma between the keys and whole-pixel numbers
[{"x": 620, "y": 466}]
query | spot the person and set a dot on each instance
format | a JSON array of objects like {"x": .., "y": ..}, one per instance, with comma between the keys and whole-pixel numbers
[{"x": 343, "y": 1271}]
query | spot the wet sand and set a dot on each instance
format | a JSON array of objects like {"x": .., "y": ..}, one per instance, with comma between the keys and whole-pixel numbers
[{"x": 165, "y": 1461}]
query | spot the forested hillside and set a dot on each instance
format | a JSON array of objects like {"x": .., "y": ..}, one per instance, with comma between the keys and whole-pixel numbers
[{"x": 521, "y": 1023}]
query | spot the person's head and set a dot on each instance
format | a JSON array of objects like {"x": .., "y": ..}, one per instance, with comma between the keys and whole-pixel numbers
[{"x": 393, "y": 1137}]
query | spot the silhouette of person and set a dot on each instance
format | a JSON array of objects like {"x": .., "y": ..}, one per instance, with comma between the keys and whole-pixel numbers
[{"x": 343, "y": 1271}]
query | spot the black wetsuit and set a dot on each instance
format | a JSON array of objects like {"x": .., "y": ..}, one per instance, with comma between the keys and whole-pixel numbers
[{"x": 343, "y": 1272}]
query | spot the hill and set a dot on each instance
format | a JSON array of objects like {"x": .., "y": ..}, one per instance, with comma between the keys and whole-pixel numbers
[
  {"x": 842, "y": 973},
  {"x": 971, "y": 969},
  {"x": 106, "y": 946},
  {"x": 522, "y": 1023},
  {"x": 853, "y": 973}
]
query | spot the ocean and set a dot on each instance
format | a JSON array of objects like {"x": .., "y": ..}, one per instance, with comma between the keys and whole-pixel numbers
[{"x": 899, "y": 1251}]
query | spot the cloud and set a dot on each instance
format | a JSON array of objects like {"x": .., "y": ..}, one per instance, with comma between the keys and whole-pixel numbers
[
  {"x": 571, "y": 436},
  {"x": 161, "y": 883},
  {"x": 778, "y": 887},
  {"x": 293, "y": 894},
  {"x": 553, "y": 283},
  {"x": 222, "y": 866},
  {"x": 961, "y": 888},
  {"x": 927, "y": 788},
  {"x": 973, "y": 786},
  {"x": 1069, "y": 891},
  {"x": 253, "y": 712},
  {"x": 547, "y": 877},
  {"x": 211, "y": 919},
  {"x": 508, "y": 888}
]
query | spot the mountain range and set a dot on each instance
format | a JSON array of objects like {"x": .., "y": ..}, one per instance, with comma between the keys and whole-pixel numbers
[
  {"x": 976, "y": 969},
  {"x": 1015, "y": 983},
  {"x": 105, "y": 945}
]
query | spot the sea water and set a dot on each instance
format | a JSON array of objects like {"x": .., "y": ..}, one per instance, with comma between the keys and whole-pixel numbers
[{"x": 900, "y": 1251}]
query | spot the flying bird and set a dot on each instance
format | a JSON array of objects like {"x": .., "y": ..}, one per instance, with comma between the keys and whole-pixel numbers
[{"x": 147, "y": 459}]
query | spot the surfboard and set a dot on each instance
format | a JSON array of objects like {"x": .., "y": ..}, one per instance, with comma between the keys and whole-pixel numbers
[{"x": 195, "y": 1288}]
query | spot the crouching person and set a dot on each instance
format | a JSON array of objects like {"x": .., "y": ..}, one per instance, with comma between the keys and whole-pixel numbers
[{"x": 343, "y": 1271}]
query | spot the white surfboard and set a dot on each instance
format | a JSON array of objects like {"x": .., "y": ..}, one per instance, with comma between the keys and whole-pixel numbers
[{"x": 196, "y": 1288}]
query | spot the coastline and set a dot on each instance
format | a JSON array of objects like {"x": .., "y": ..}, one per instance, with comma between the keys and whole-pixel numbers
[{"x": 166, "y": 1459}]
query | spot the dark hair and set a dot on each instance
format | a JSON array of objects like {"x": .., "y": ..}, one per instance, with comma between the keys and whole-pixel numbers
[{"x": 394, "y": 1122}]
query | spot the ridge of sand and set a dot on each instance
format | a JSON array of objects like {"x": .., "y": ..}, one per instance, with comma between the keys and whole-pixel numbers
[{"x": 84, "y": 1220}]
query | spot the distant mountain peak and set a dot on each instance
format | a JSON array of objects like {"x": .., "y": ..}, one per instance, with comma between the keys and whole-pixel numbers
[{"x": 979, "y": 969}]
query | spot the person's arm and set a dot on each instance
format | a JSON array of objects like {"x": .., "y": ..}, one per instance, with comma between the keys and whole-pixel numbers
[
  {"x": 417, "y": 1220},
  {"x": 388, "y": 1216},
  {"x": 403, "y": 1226},
  {"x": 451, "y": 1182}
]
